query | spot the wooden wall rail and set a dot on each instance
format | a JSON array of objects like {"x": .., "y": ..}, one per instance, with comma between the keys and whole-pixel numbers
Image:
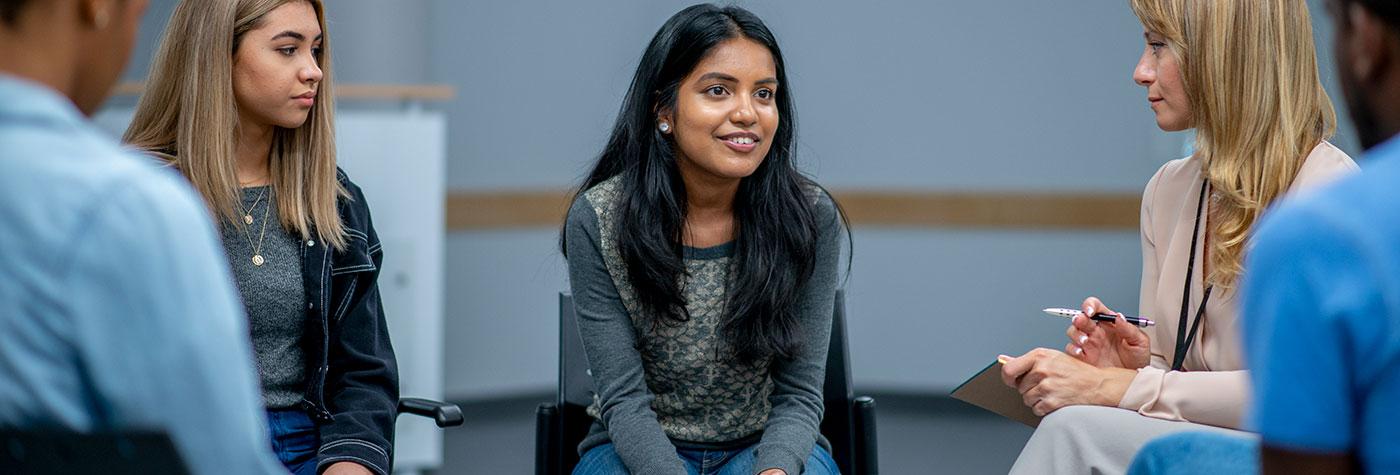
[
  {"x": 899, "y": 209},
  {"x": 1060, "y": 211},
  {"x": 401, "y": 92}
]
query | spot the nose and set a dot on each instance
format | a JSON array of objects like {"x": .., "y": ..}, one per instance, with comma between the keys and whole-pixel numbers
[
  {"x": 744, "y": 113},
  {"x": 1145, "y": 73},
  {"x": 311, "y": 73}
]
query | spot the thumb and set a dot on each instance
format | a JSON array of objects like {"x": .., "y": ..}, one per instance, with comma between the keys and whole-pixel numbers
[{"x": 1127, "y": 331}]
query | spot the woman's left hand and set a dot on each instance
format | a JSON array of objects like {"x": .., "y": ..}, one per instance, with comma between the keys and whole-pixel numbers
[
  {"x": 346, "y": 468},
  {"x": 1049, "y": 380}
]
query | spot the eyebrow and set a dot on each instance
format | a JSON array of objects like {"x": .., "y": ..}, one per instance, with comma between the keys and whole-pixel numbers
[
  {"x": 293, "y": 35},
  {"x": 728, "y": 78}
]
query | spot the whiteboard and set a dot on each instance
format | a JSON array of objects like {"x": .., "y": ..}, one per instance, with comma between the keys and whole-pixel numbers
[{"x": 398, "y": 158}]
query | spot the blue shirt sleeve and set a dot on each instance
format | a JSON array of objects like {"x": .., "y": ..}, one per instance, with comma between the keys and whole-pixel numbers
[
  {"x": 160, "y": 328},
  {"x": 1307, "y": 290}
]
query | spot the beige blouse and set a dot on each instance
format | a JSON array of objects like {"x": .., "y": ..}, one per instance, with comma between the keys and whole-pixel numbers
[{"x": 1214, "y": 388}]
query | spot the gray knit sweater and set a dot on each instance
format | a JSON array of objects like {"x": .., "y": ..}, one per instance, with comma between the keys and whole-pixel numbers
[
  {"x": 667, "y": 386},
  {"x": 274, "y": 296}
]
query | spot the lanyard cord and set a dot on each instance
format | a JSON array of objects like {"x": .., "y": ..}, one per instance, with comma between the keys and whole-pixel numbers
[{"x": 1185, "y": 338}]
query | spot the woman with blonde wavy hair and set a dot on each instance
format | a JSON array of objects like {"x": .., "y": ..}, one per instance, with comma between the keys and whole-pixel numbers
[
  {"x": 239, "y": 101},
  {"x": 1244, "y": 75}
]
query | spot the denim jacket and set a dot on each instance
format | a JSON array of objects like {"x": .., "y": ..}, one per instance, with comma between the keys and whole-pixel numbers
[{"x": 352, "y": 378}]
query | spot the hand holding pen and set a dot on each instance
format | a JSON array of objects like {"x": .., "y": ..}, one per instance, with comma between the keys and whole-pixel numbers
[{"x": 1116, "y": 343}]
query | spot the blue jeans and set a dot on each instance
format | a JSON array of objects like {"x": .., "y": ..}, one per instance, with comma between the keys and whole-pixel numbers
[
  {"x": 295, "y": 440},
  {"x": 603, "y": 460},
  {"x": 1195, "y": 453}
]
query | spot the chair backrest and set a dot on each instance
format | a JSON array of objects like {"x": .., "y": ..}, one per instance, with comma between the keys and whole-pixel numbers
[
  {"x": 44, "y": 452},
  {"x": 838, "y": 421},
  {"x": 575, "y": 390},
  {"x": 575, "y": 380},
  {"x": 576, "y": 387}
]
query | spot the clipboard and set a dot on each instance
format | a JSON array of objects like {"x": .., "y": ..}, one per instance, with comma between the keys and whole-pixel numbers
[{"x": 986, "y": 390}]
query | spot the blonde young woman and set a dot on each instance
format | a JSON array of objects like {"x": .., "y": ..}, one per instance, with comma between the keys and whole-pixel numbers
[
  {"x": 1244, "y": 75},
  {"x": 239, "y": 101}
]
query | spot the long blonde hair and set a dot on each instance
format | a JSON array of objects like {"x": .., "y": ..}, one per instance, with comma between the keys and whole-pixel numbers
[
  {"x": 1257, "y": 104},
  {"x": 188, "y": 116}
]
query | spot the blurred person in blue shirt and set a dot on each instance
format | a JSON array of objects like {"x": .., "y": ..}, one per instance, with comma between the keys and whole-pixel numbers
[{"x": 116, "y": 307}]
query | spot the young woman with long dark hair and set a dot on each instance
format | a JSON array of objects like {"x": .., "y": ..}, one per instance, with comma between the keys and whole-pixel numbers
[{"x": 704, "y": 265}]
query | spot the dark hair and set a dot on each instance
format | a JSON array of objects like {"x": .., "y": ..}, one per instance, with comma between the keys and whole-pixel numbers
[
  {"x": 10, "y": 9},
  {"x": 1386, "y": 10},
  {"x": 776, "y": 220}
]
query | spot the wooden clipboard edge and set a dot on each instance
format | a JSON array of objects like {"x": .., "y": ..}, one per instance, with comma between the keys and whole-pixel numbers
[
  {"x": 1035, "y": 422},
  {"x": 969, "y": 380}
]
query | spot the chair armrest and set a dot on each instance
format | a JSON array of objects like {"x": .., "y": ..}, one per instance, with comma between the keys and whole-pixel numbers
[
  {"x": 548, "y": 424},
  {"x": 444, "y": 414},
  {"x": 867, "y": 460}
]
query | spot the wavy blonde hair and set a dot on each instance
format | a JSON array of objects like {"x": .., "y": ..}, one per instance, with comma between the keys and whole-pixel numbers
[
  {"x": 188, "y": 116},
  {"x": 1257, "y": 104}
]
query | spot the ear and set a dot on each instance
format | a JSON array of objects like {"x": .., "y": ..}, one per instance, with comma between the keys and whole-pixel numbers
[
  {"x": 665, "y": 115},
  {"x": 97, "y": 14},
  {"x": 1370, "y": 46}
]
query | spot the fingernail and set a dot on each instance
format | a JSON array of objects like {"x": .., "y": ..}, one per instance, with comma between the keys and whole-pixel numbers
[
  {"x": 1078, "y": 350},
  {"x": 1003, "y": 359},
  {"x": 1083, "y": 338}
]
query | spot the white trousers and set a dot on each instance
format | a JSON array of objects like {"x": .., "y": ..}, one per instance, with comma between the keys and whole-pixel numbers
[{"x": 1095, "y": 440}]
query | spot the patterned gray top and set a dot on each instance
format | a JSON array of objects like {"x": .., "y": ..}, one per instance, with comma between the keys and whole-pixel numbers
[{"x": 667, "y": 386}]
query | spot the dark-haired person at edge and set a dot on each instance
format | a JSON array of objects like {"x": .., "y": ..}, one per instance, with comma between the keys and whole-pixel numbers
[
  {"x": 1322, "y": 298},
  {"x": 117, "y": 312},
  {"x": 704, "y": 265}
]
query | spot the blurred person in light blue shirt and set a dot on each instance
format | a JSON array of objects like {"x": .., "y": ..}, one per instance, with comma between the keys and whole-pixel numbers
[{"x": 116, "y": 307}]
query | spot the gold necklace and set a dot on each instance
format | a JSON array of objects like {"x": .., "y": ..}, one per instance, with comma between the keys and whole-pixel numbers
[
  {"x": 247, "y": 212},
  {"x": 248, "y": 218}
]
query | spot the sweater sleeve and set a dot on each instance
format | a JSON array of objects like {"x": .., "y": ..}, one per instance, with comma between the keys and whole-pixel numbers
[
  {"x": 610, "y": 342},
  {"x": 795, "y": 420}
]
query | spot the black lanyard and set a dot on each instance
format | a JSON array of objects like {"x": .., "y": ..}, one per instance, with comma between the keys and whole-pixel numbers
[{"x": 1184, "y": 339}]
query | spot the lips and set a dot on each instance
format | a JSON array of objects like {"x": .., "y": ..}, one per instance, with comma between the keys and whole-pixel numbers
[
  {"x": 742, "y": 142},
  {"x": 305, "y": 99}
]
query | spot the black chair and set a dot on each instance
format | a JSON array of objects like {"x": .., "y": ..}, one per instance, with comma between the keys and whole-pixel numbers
[
  {"x": 849, "y": 422},
  {"x": 58, "y": 452},
  {"x": 444, "y": 414},
  {"x": 44, "y": 452}
]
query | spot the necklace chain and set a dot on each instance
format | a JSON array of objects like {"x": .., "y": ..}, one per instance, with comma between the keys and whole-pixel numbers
[{"x": 262, "y": 233}]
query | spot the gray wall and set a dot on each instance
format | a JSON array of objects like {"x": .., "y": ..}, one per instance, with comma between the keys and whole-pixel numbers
[
  {"x": 901, "y": 95},
  {"x": 910, "y": 95}
]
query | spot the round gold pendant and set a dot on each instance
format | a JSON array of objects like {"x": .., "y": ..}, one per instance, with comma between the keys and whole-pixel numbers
[
  {"x": 257, "y": 260},
  {"x": 247, "y": 219}
]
